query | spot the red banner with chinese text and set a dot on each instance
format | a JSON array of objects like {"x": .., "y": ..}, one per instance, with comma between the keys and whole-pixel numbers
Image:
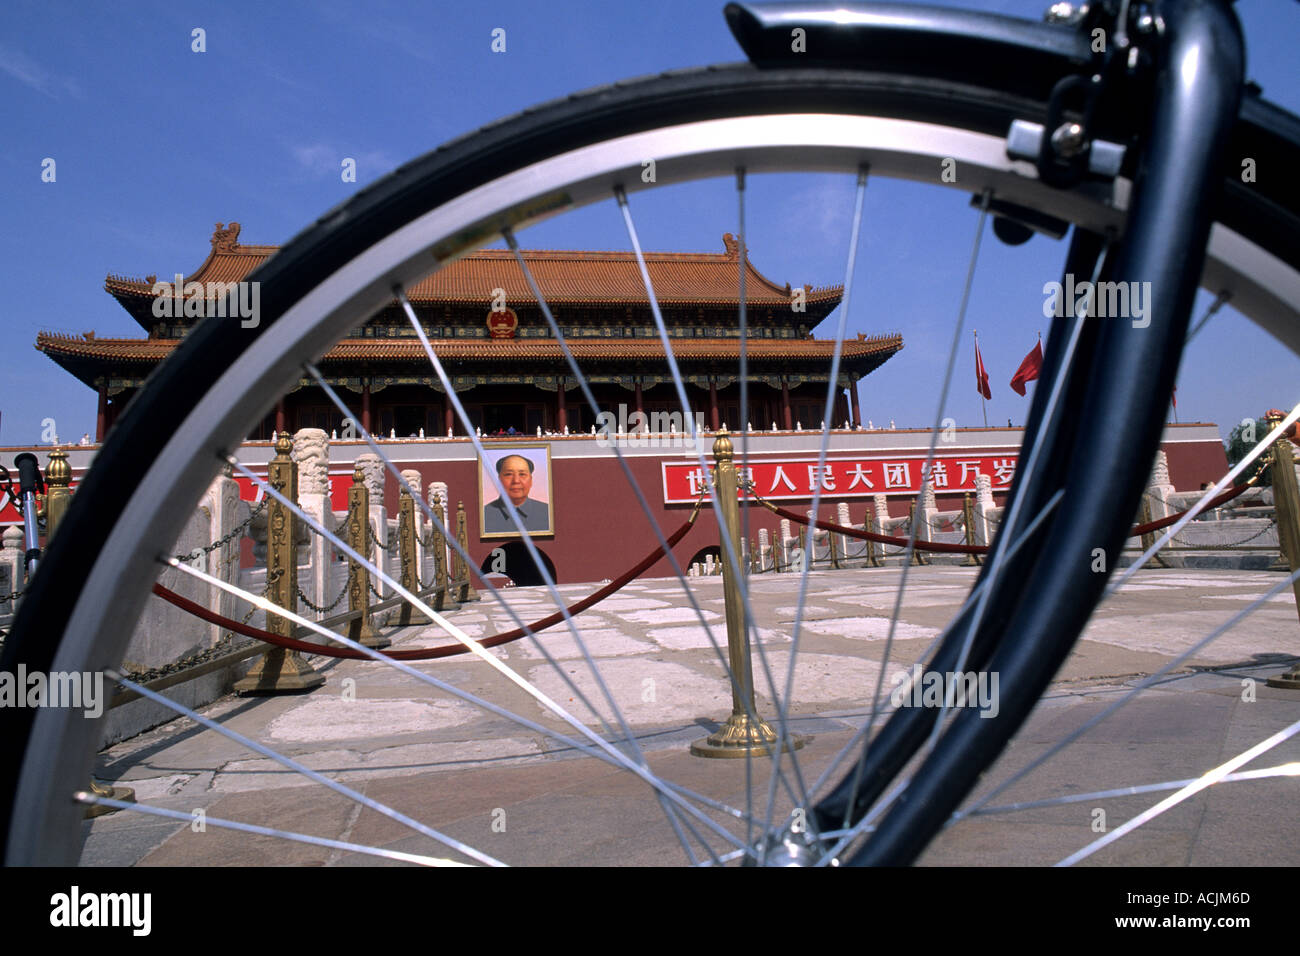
[{"x": 861, "y": 477}]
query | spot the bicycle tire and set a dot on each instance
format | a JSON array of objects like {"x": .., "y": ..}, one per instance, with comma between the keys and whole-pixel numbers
[{"x": 46, "y": 758}]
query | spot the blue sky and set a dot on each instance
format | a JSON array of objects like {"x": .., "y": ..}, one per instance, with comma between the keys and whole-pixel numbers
[{"x": 155, "y": 143}]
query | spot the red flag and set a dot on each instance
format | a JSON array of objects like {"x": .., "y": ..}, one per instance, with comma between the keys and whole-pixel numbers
[
  {"x": 1174, "y": 396},
  {"x": 981, "y": 376},
  {"x": 1029, "y": 369}
]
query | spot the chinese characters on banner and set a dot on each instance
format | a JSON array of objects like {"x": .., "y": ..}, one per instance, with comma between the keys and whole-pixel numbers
[{"x": 798, "y": 478}]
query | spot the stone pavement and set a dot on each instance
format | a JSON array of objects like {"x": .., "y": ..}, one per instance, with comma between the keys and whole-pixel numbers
[{"x": 524, "y": 799}]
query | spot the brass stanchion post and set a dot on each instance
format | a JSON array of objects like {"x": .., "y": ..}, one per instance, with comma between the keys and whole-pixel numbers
[
  {"x": 868, "y": 525},
  {"x": 410, "y": 614},
  {"x": 742, "y": 734},
  {"x": 911, "y": 526},
  {"x": 279, "y": 670},
  {"x": 968, "y": 519},
  {"x": 835, "y": 558},
  {"x": 1286, "y": 504},
  {"x": 360, "y": 629},
  {"x": 444, "y": 598},
  {"x": 58, "y": 491},
  {"x": 466, "y": 585}
]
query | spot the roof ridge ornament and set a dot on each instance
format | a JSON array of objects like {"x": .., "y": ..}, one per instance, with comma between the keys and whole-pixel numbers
[
  {"x": 225, "y": 238},
  {"x": 732, "y": 244}
]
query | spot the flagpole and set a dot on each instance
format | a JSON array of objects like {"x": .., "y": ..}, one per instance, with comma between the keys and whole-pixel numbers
[{"x": 984, "y": 405}]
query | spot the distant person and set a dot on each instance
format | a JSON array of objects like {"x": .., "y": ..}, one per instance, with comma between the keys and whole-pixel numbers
[{"x": 516, "y": 474}]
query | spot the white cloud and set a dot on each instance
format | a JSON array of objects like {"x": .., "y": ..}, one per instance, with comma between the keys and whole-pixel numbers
[
  {"x": 30, "y": 73},
  {"x": 322, "y": 159}
]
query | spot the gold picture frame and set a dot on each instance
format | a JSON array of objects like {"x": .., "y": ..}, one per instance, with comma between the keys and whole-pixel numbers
[{"x": 529, "y": 478}]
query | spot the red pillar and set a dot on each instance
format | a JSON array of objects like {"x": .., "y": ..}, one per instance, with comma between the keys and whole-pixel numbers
[
  {"x": 365, "y": 407},
  {"x": 279, "y": 417},
  {"x": 449, "y": 416},
  {"x": 561, "y": 413},
  {"x": 857, "y": 409},
  {"x": 637, "y": 401},
  {"x": 713, "y": 404},
  {"x": 787, "y": 417},
  {"x": 101, "y": 414}
]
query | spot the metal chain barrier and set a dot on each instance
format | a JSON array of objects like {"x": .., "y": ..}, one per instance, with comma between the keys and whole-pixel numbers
[
  {"x": 225, "y": 645},
  {"x": 270, "y": 580},
  {"x": 374, "y": 540},
  {"x": 235, "y": 532},
  {"x": 317, "y": 608},
  {"x": 1227, "y": 547}
]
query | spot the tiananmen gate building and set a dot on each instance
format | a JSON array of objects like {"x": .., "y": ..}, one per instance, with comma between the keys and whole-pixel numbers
[{"x": 504, "y": 364}]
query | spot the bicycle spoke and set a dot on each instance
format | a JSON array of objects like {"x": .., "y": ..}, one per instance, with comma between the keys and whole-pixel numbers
[
  {"x": 925, "y": 481},
  {"x": 751, "y": 626},
  {"x": 1291, "y": 769},
  {"x": 832, "y": 386},
  {"x": 800, "y": 799},
  {"x": 999, "y": 557},
  {"x": 968, "y": 603},
  {"x": 294, "y": 765},
  {"x": 92, "y": 799},
  {"x": 1215, "y": 306},
  {"x": 1143, "y": 685},
  {"x": 1208, "y": 779},
  {"x": 508, "y": 235}
]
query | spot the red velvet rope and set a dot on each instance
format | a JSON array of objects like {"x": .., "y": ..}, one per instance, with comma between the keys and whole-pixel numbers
[
  {"x": 425, "y": 653},
  {"x": 945, "y": 547},
  {"x": 882, "y": 538},
  {"x": 1172, "y": 519}
]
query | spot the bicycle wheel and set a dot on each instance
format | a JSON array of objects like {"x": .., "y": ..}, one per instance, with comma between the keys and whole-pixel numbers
[{"x": 80, "y": 608}]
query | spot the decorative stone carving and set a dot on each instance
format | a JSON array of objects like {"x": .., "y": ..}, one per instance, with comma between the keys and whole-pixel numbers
[
  {"x": 882, "y": 512},
  {"x": 372, "y": 467},
  {"x": 311, "y": 450},
  {"x": 1160, "y": 470}
]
